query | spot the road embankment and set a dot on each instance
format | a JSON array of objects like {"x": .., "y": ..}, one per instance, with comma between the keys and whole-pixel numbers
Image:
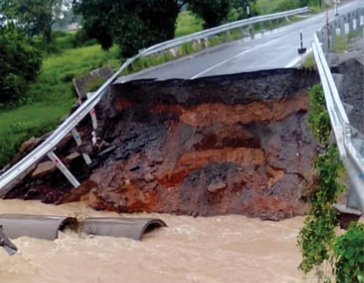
[{"x": 217, "y": 145}]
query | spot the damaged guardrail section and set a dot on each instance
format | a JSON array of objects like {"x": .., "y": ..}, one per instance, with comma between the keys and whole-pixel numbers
[
  {"x": 47, "y": 147},
  {"x": 350, "y": 148}
]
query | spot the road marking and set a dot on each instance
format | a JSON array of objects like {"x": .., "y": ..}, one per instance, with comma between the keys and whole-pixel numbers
[
  {"x": 298, "y": 59},
  {"x": 241, "y": 54}
]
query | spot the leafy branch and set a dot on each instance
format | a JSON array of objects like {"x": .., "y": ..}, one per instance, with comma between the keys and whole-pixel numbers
[{"x": 317, "y": 239}]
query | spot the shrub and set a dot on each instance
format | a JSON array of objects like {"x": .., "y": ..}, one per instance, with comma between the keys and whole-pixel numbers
[{"x": 20, "y": 62}]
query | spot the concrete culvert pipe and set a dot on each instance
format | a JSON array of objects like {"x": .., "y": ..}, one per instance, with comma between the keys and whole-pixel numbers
[
  {"x": 36, "y": 226},
  {"x": 133, "y": 228}
]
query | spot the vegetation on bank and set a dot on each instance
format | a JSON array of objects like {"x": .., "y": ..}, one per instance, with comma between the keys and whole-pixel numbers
[
  {"x": 318, "y": 240},
  {"x": 52, "y": 95}
]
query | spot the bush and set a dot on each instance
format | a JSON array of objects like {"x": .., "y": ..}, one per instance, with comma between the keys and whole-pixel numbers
[
  {"x": 20, "y": 62},
  {"x": 350, "y": 255},
  {"x": 81, "y": 38},
  {"x": 319, "y": 120}
]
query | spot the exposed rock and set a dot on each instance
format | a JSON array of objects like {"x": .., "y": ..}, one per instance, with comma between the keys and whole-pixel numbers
[
  {"x": 216, "y": 187},
  {"x": 29, "y": 145},
  {"x": 347, "y": 215},
  {"x": 149, "y": 177},
  {"x": 226, "y": 144},
  {"x": 71, "y": 157},
  {"x": 43, "y": 169}
]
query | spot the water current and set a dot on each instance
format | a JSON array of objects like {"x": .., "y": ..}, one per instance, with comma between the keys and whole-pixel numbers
[{"x": 222, "y": 249}]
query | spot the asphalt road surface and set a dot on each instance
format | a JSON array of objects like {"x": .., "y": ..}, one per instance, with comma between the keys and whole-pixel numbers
[{"x": 273, "y": 49}]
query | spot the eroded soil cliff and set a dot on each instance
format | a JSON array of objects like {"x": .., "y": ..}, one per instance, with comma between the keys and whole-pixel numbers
[{"x": 227, "y": 144}]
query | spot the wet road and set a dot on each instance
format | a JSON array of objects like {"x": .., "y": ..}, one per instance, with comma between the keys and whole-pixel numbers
[{"x": 275, "y": 49}]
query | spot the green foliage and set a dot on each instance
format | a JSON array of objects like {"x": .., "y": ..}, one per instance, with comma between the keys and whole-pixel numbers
[
  {"x": 94, "y": 84},
  {"x": 342, "y": 44},
  {"x": 14, "y": 134},
  {"x": 328, "y": 166},
  {"x": 268, "y": 6},
  {"x": 132, "y": 24},
  {"x": 317, "y": 236},
  {"x": 52, "y": 95},
  {"x": 318, "y": 118},
  {"x": 81, "y": 39},
  {"x": 20, "y": 62},
  {"x": 187, "y": 23},
  {"x": 212, "y": 12},
  {"x": 350, "y": 255},
  {"x": 238, "y": 10},
  {"x": 309, "y": 62},
  {"x": 37, "y": 17},
  {"x": 317, "y": 239}
]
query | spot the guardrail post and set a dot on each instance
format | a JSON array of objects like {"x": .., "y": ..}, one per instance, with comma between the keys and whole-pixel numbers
[
  {"x": 63, "y": 169},
  {"x": 228, "y": 35},
  {"x": 325, "y": 45},
  {"x": 352, "y": 201},
  {"x": 242, "y": 32},
  {"x": 251, "y": 31},
  {"x": 351, "y": 24},
  {"x": 262, "y": 27},
  {"x": 333, "y": 36},
  {"x": 342, "y": 28},
  {"x": 78, "y": 140},
  {"x": 206, "y": 42},
  {"x": 318, "y": 33},
  {"x": 92, "y": 113},
  {"x": 358, "y": 17}
]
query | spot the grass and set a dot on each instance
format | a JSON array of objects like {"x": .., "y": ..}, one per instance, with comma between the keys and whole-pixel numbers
[
  {"x": 53, "y": 95},
  {"x": 309, "y": 62},
  {"x": 341, "y": 45},
  {"x": 187, "y": 23},
  {"x": 269, "y": 6},
  {"x": 344, "y": 43}
]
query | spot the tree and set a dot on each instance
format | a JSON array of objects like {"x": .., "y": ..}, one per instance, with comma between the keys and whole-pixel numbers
[
  {"x": 20, "y": 62},
  {"x": 35, "y": 16},
  {"x": 132, "y": 24},
  {"x": 213, "y": 12},
  {"x": 238, "y": 9}
]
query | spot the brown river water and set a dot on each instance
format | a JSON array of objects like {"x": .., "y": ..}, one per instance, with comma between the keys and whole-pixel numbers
[{"x": 216, "y": 249}]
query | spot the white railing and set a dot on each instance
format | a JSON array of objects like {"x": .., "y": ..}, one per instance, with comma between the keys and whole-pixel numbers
[
  {"x": 48, "y": 146},
  {"x": 350, "y": 153}
]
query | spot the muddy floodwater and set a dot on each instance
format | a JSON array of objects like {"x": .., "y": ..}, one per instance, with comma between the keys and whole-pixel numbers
[{"x": 216, "y": 249}]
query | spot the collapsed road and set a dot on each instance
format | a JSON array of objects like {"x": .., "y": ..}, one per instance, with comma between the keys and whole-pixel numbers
[{"x": 217, "y": 145}]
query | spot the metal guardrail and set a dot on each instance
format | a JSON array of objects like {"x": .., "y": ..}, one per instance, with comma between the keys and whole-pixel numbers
[
  {"x": 223, "y": 28},
  {"x": 350, "y": 154},
  {"x": 48, "y": 146}
]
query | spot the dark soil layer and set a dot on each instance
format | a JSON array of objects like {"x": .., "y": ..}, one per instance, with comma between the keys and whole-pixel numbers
[
  {"x": 352, "y": 90},
  {"x": 351, "y": 65},
  {"x": 226, "y": 144}
]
